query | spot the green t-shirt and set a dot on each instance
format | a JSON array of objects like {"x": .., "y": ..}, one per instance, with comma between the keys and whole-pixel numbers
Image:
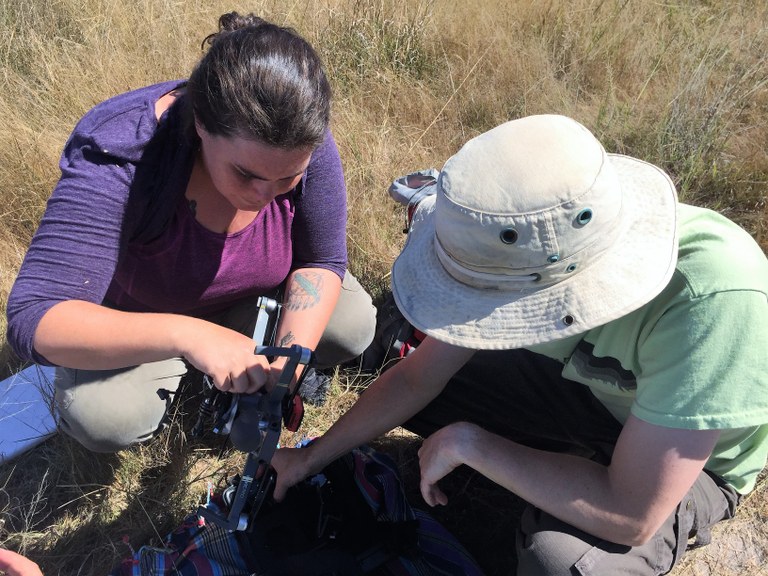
[{"x": 696, "y": 356}]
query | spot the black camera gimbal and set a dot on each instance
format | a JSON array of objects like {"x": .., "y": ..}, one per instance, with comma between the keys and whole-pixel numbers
[{"x": 253, "y": 423}]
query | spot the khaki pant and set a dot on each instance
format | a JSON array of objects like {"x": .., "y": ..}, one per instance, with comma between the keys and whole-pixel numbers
[{"x": 108, "y": 410}]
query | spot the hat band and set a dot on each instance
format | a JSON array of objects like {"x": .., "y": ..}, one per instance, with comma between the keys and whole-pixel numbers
[{"x": 483, "y": 280}]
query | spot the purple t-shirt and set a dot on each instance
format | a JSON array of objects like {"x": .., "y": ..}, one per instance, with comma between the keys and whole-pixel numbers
[{"x": 118, "y": 229}]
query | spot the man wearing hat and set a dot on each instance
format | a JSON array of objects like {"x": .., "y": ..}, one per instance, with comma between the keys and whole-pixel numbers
[{"x": 592, "y": 345}]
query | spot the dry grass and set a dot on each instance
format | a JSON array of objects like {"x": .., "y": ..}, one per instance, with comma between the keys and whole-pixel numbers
[{"x": 680, "y": 84}]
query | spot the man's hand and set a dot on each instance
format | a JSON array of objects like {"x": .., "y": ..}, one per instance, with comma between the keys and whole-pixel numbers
[
  {"x": 14, "y": 564},
  {"x": 439, "y": 455},
  {"x": 292, "y": 466}
]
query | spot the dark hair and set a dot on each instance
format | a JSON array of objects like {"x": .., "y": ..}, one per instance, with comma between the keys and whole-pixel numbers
[{"x": 262, "y": 82}]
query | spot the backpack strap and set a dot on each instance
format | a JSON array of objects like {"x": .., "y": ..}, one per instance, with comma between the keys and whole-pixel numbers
[{"x": 393, "y": 340}]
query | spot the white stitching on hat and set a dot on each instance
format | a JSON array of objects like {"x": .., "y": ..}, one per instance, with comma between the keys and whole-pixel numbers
[{"x": 476, "y": 279}]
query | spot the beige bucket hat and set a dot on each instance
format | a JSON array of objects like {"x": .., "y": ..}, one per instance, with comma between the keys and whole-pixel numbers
[{"x": 535, "y": 233}]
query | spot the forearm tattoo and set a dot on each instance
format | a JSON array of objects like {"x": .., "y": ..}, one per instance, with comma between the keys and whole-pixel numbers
[
  {"x": 305, "y": 291},
  {"x": 287, "y": 339}
]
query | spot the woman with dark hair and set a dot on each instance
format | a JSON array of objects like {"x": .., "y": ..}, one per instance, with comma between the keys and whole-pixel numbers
[{"x": 179, "y": 205}]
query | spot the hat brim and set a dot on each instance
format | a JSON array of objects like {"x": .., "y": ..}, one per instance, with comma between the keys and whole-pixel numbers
[{"x": 634, "y": 270}]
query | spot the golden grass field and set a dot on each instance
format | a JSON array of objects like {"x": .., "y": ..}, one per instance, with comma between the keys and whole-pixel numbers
[{"x": 680, "y": 84}]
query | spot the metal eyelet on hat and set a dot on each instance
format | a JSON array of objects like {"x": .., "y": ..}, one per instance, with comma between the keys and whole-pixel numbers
[
  {"x": 508, "y": 235},
  {"x": 568, "y": 319},
  {"x": 584, "y": 216},
  {"x": 571, "y": 268},
  {"x": 554, "y": 258}
]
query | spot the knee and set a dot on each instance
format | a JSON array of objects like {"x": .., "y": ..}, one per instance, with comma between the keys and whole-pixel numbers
[
  {"x": 93, "y": 436},
  {"x": 105, "y": 430},
  {"x": 109, "y": 410},
  {"x": 548, "y": 547},
  {"x": 351, "y": 327},
  {"x": 549, "y": 554}
]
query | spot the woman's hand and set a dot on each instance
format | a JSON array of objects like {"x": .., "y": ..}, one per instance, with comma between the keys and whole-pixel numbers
[
  {"x": 14, "y": 564},
  {"x": 440, "y": 454},
  {"x": 227, "y": 357}
]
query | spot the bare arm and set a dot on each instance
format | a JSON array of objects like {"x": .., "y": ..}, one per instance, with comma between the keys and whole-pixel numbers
[
  {"x": 626, "y": 502},
  {"x": 80, "y": 334},
  {"x": 310, "y": 298},
  {"x": 394, "y": 397}
]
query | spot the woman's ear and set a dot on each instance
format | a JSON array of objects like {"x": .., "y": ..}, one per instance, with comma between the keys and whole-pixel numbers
[{"x": 199, "y": 128}]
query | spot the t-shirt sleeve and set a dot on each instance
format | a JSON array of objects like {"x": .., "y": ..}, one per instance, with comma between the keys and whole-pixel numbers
[
  {"x": 319, "y": 231},
  {"x": 705, "y": 364},
  {"x": 74, "y": 252}
]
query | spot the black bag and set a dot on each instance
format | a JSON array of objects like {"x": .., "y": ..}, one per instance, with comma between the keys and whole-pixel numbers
[
  {"x": 352, "y": 519},
  {"x": 393, "y": 340},
  {"x": 325, "y": 526}
]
